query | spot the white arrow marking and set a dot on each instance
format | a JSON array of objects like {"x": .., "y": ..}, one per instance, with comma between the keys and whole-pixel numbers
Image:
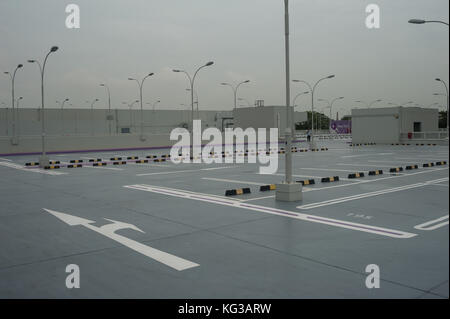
[{"x": 109, "y": 231}]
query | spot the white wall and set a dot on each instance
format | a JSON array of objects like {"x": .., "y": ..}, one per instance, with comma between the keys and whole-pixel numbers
[
  {"x": 384, "y": 125},
  {"x": 85, "y": 122}
]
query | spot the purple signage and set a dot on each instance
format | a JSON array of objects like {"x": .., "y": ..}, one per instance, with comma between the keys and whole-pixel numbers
[{"x": 341, "y": 127}]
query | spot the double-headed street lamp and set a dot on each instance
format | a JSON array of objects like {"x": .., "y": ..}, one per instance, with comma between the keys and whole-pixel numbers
[
  {"x": 62, "y": 117},
  {"x": 446, "y": 90},
  {"x": 312, "y": 90},
  {"x": 140, "y": 85},
  {"x": 109, "y": 118},
  {"x": 130, "y": 105},
  {"x": 43, "y": 161},
  {"x": 13, "y": 77},
  {"x": 192, "y": 81},
  {"x": 92, "y": 115},
  {"x": 330, "y": 105},
  {"x": 235, "y": 88}
]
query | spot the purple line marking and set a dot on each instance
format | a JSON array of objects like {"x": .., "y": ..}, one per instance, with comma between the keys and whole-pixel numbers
[{"x": 364, "y": 227}]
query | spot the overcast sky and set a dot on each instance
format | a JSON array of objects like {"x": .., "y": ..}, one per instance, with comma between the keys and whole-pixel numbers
[{"x": 245, "y": 39}]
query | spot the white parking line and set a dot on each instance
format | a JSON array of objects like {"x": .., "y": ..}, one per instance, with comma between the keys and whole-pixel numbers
[
  {"x": 426, "y": 226},
  {"x": 34, "y": 170},
  {"x": 107, "y": 168},
  {"x": 233, "y": 181},
  {"x": 370, "y": 194},
  {"x": 5, "y": 159},
  {"x": 274, "y": 211},
  {"x": 185, "y": 171}
]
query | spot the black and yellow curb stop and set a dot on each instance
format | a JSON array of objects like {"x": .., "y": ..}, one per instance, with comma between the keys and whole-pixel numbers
[
  {"x": 119, "y": 163},
  {"x": 428, "y": 165},
  {"x": 356, "y": 175},
  {"x": 165, "y": 156},
  {"x": 133, "y": 157},
  {"x": 32, "y": 164},
  {"x": 330, "y": 179},
  {"x": 239, "y": 191},
  {"x": 307, "y": 182},
  {"x": 54, "y": 162},
  {"x": 99, "y": 164},
  {"x": 159, "y": 160},
  {"x": 441, "y": 163},
  {"x": 410, "y": 167},
  {"x": 76, "y": 161},
  {"x": 141, "y": 161},
  {"x": 265, "y": 188},
  {"x": 116, "y": 158},
  {"x": 74, "y": 165},
  {"x": 152, "y": 156},
  {"x": 95, "y": 160},
  {"x": 376, "y": 172},
  {"x": 396, "y": 169},
  {"x": 52, "y": 167}
]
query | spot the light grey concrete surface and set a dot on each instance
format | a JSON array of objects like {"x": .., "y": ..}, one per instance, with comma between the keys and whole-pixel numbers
[{"x": 247, "y": 246}]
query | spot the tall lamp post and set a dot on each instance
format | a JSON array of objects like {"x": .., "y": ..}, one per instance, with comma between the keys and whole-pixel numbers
[
  {"x": 191, "y": 81},
  {"x": 17, "y": 111},
  {"x": 13, "y": 77},
  {"x": 312, "y": 90},
  {"x": 6, "y": 118},
  {"x": 92, "y": 116},
  {"x": 288, "y": 191},
  {"x": 235, "y": 88},
  {"x": 446, "y": 90},
  {"x": 109, "y": 106},
  {"x": 140, "y": 85},
  {"x": 43, "y": 160},
  {"x": 62, "y": 117},
  {"x": 130, "y": 105}
]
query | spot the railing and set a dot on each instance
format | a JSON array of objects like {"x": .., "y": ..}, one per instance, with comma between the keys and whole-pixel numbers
[{"x": 441, "y": 135}]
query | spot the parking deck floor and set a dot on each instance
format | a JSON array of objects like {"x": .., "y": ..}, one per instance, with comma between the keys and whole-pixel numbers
[{"x": 183, "y": 238}]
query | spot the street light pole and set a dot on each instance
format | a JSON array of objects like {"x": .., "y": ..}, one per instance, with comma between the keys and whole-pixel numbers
[
  {"x": 235, "y": 89},
  {"x": 446, "y": 90},
  {"x": 62, "y": 117},
  {"x": 191, "y": 81},
  {"x": 92, "y": 116},
  {"x": 17, "y": 111},
  {"x": 109, "y": 106},
  {"x": 13, "y": 77},
  {"x": 43, "y": 161},
  {"x": 312, "y": 90},
  {"x": 140, "y": 85},
  {"x": 6, "y": 118}
]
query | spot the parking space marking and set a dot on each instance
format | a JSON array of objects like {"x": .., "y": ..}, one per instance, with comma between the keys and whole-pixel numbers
[
  {"x": 370, "y": 154},
  {"x": 319, "y": 177},
  {"x": 274, "y": 211},
  {"x": 185, "y": 171},
  {"x": 233, "y": 181},
  {"x": 431, "y": 225},
  {"x": 370, "y": 194},
  {"x": 107, "y": 168},
  {"x": 34, "y": 170}
]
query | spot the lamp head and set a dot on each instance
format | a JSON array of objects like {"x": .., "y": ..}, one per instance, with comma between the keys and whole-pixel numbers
[
  {"x": 330, "y": 76},
  {"x": 54, "y": 49},
  {"x": 209, "y": 63},
  {"x": 19, "y": 66},
  {"x": 416, "y": 21}
]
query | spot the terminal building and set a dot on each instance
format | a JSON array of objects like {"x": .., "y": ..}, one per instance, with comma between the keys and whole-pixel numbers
[{"x": 394, "y": 124}]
